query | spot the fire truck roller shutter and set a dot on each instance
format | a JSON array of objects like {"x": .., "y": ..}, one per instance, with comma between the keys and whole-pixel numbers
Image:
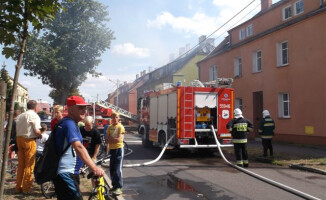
[{"x": 205, "y": 99}]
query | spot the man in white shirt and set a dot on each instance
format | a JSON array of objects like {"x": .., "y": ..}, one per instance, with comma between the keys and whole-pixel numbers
[{"x": 28, "y": 126}]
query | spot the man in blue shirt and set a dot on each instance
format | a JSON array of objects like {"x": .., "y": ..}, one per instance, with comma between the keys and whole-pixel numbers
[{"x": 67, "y": 133}]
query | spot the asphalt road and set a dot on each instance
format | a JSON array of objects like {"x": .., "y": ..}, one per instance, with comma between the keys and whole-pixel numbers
[{"x": 185, "y": 175}]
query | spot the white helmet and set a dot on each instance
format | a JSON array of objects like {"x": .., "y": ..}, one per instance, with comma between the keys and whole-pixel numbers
[
  {"x": 237, "y": 113},
  {"x": 266, "y": 113}
]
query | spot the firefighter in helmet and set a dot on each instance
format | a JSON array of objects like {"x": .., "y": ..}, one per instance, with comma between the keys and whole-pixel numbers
[
  {"x": 239, "y": 128},
  {"x": 266, "y": 131}
]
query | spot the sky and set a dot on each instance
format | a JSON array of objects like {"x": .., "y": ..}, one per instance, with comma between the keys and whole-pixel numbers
[{"x": 146, "y": 33}]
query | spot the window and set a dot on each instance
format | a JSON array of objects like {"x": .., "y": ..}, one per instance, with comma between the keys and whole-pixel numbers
[
  {"x": 249, "y": 30},
  {"x": 237, "y": 67},
  {"x": 238, "y": 103},
  {"x": 282, "y": 53},
  {"x": 298, "y": 7},
  {"x": 287, "y": 12},
  {"x": 242, "y": 34},
  {"x": 212, "y": 73},
  {"x": 283, "y": 105},
  {"x": 256, "y": 61}
]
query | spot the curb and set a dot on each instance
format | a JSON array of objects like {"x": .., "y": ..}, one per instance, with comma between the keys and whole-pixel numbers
[
  {"x": 309, "y": 169},
  {"x": 108, "y": 182}
]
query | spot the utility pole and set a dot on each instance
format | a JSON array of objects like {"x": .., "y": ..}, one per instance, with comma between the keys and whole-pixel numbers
[
  {"x": 117, "y": 93},
  {"x": 117, "y": 83}
]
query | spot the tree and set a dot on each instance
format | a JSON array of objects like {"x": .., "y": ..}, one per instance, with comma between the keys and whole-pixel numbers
[
  {"x": 15, "y": 18},
  {"x": 5, "y": 77},
  {"x": 69, "y": 48}
]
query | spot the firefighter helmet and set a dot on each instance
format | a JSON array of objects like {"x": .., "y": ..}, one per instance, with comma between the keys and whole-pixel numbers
[
  {"x": 237, "y": 113},
  {"x": 266, "y": 113}
]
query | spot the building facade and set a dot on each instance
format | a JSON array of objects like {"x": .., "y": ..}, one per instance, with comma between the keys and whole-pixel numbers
[
  {"x": 277, "y": 61},
  {"x": 21, "y": 95}
]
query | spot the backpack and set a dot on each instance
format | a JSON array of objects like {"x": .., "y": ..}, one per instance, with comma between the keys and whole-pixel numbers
[{"x": 46, "y": 165}]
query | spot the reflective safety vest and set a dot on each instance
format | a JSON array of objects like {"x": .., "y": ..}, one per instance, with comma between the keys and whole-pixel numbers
[
  {"x": 266, "y": 128},
  {"x": 239, "y": 128}
]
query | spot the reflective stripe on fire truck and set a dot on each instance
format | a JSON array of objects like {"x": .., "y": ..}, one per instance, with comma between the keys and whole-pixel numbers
[{"x": 239, "y": 140}]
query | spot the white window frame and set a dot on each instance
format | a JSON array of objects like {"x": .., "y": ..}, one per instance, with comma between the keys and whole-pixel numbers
[
  {"x": 238, "y": 67},
  {"x": 238, "y": 103},
  {"x": 295, "y": 7},
  {"x": 282, "y": 53},
  {"x": 213, "y": 73},
  {"x": 284, "y": 105},
  {"x": 257, "y": 61},
  {"x": 284, "y": 12},
  {"x": 242, "y": 34},
  {"x": 249, "y": 30}
]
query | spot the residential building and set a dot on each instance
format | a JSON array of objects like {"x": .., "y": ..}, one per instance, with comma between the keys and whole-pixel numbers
[
  {"x": 43, "y": 106},
  {"x": 277, "y": 61},
  {"x": 21, "y": 94},
  {"x": 182, "y": 70}
]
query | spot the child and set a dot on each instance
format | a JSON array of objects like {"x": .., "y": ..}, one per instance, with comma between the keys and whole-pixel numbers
[
  {"x": 41, "y": 141},
  {"x": 114, "y": 140}
]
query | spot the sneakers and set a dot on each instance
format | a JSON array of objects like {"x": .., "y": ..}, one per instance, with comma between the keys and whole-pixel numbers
[{"x": 117, "y": 191}]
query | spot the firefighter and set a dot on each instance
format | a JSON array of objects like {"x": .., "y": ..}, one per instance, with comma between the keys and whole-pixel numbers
[
  {"x": 266, "y": 131},
  {"x": 239, "y": 127}
]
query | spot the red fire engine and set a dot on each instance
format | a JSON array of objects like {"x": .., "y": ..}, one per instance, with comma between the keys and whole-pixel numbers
[{"x": 190, "y": 113}]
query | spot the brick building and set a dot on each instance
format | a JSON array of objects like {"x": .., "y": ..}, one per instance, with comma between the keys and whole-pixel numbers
[{"x": 277, "y": 59}]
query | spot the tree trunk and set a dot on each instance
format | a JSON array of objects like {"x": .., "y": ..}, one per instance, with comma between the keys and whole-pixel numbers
[
  {"x": 12, "y": 104},
  {"x": 3, "y": 92}
]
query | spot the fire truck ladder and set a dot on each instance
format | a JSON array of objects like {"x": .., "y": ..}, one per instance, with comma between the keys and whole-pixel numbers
[
  {"x": 188, "y": 110},
  {"x": 123, "y": 113}
]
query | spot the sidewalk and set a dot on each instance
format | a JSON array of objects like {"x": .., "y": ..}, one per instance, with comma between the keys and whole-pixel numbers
[
  {"x": 293, "y": 152},
  {"x": 293, "y": 149}
]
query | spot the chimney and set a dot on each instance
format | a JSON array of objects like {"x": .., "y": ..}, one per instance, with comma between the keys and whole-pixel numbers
[
  {"x": 265, "y": 4},
  {"x": 137, "y": 76},
  {"x": 202, "y": 38},
  {"x": 149, "y": 69},
  {"x": 210, "y": 41},
  {"x": 181, "y": 50}
]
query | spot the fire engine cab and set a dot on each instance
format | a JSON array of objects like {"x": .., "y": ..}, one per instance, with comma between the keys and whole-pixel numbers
[{"x": 192, "y": 114}]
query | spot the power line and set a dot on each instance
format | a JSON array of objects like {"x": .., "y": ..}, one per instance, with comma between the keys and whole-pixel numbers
[{"x": 215, "y": 30}]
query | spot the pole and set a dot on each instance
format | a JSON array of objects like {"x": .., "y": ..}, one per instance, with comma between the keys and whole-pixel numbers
[{"x": 117, "y": 93}]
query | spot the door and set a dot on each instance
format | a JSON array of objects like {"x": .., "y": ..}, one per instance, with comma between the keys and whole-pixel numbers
[{"x": 257, "y": 110}]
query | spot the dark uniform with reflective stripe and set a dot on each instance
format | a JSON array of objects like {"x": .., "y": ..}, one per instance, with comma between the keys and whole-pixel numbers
[
  {"x": 239, "y": 128},
  {"x": 266, "y": 130}
]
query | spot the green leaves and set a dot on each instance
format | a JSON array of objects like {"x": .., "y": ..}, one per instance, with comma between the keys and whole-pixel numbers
[
  {"x": 70, "y": 47},
  {"x": 15, "y": 16}
]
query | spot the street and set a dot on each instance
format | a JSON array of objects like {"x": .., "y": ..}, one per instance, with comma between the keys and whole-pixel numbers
[{"x": 185, "y": 175}]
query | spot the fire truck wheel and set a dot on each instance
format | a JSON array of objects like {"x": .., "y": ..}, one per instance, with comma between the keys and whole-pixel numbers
[
  {"x": 145, "y": 141},
  {"x": 162, "y": 139}
]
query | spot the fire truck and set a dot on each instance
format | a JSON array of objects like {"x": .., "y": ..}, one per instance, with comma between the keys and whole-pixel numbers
[{"x": 192, "y": 114}]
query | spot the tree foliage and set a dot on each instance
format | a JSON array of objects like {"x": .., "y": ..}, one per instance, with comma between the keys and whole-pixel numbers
[
  {"x": 69, "y": 48},
  {"x": 17, "y": 15}
]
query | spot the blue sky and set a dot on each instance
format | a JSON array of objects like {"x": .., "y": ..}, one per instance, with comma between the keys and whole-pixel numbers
[{"x": 147, "y": 32}]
